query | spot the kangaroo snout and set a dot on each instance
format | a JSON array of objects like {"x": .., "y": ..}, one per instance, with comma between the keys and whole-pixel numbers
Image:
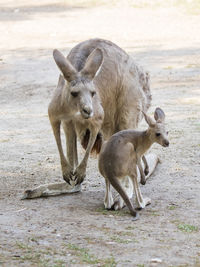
[
  {"x": 166, "y": 143},
  {"x": 87, "y": 112}
]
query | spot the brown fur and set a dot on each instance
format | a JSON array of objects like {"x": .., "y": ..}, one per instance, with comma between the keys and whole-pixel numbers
[
  {"x": 121, "y": 156},
  {"x": 97, "y": 145}
]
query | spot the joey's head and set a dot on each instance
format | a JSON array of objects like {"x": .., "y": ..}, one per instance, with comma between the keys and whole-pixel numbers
[
  {"x": 81, "y": 91},
  {"x": 157, "y": 129}
]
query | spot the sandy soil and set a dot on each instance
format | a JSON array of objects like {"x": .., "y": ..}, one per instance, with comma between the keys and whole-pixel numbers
[{"x": 75, "y": 230}]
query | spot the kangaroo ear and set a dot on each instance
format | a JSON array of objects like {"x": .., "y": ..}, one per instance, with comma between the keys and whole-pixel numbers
[
  {"x": 149, "y": 120},
  {"x": 93, "y": 64},
  {"x": 65, "y": 66},
  {"x": 159, "y": 115}
]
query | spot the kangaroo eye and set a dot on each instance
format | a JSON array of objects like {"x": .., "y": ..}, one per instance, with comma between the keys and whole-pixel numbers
[
  {"x": 93, "y": 93},
  {"x": 157, "y": 134},
  {"x": 74, "y": 94}
]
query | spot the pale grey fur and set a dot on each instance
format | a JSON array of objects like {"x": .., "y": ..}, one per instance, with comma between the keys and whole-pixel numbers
[{"x": 122, "y": 93}]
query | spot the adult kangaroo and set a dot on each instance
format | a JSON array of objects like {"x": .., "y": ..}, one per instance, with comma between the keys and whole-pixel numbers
[{"x": 101, "y": 90}]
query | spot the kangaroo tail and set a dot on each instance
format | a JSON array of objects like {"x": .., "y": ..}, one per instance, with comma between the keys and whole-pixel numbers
[{"x": 116, "y": 184}]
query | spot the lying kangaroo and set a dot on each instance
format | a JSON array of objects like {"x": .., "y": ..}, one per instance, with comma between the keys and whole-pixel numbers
[
  {"x": 100, "y": 92},
  {"x": 120, "y": 157}
]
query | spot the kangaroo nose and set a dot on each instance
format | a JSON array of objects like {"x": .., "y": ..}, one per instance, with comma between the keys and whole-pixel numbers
[
  {"x": 87, "y": 112},
  {"x": 166, "y": 143}
]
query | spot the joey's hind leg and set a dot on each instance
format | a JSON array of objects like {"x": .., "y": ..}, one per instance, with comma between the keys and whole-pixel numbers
[
  {"x": 140, "y": 201},
  {"x": 146, "y": 166},
  {"x": 142, "y": 175},
  {"x": 108, "y": 200}
]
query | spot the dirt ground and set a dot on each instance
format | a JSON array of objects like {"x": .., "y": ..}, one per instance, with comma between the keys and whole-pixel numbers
[{"x": 75, "y": 230}]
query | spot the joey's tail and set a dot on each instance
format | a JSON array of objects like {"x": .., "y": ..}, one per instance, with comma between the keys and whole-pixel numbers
[
  {"x": 116, "y": 184},
  {"x": 97, "y": 145}
]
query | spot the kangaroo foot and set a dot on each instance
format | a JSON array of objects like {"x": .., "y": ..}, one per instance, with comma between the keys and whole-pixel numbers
[
  {"x": 136, "y": 217},
  {"x": 108, "y": 204},
  {"x": 118, "y": 205},
  {"x": 143, "y": 203}
]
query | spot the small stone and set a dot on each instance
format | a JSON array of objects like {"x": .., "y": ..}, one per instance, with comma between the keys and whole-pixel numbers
[{"x": 156, "y": 260}]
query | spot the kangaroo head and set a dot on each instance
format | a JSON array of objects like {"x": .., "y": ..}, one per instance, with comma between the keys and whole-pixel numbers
[
  {"x": 157, "y": 129},
  {"x": 81, "y": 90}
]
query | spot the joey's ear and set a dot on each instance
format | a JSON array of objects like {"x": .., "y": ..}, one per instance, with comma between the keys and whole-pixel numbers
[
  {"x": 93, "y": 64},
  {"x": 65, "y": 66},
  {"x": 149, "y": 120},
  {"x": 159, "y": 115}
]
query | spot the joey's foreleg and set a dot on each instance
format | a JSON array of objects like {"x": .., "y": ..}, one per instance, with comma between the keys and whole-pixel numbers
[
  {"x": 152, "y": 161},
  {"x": 146, "y": 166},
  {"x": 142, "y": 175},
  {"x": 80, "y": 171},
  {"x": 67, "y": 169}
]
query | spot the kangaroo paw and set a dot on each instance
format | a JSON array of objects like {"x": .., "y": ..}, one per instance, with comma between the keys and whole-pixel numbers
[{"x": 146, "y": 171}]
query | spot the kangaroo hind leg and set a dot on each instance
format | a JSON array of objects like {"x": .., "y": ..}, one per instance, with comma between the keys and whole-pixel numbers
[
  {"x": 108, "y": 200},
  {"x": 140, "y": 201}
]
